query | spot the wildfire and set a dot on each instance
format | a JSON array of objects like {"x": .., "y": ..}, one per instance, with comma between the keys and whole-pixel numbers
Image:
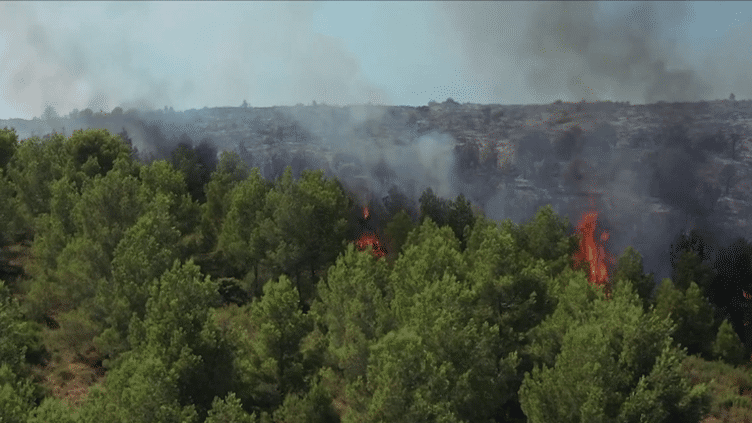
[
  {"x": 369, "y": 238},
  {"x": 590, "y": 251}
]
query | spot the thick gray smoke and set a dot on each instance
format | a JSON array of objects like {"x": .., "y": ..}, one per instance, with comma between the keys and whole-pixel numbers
[{"x": 573, "y": 50}]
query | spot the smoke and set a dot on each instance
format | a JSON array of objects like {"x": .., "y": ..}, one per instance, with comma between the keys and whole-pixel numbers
[
  {"x": 126, "y": 54},
  {"x": 575, "y": 50}
]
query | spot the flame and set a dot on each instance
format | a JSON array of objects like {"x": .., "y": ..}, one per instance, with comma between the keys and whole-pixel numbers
[
  {"x": 590, "y": 251},
  {"x": 369, "y": 238}
]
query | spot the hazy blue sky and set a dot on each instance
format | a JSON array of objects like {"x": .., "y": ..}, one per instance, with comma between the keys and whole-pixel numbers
[{"x": 195, "y": 54}]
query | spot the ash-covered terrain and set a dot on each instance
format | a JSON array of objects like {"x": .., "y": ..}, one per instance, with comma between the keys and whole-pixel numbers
[{"x": 650, "y": 171}]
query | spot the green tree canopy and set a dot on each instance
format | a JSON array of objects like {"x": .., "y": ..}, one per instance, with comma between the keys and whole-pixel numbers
[
  {"x": 304, "y": 226},
  {"x": 108, "y": 206},
  {"x": 354, "y": 309},
  {"x": 230, "y": 171},
  {"x": 17, "y": 337},
  {"x": 460, "y": 217},
  {"x": 8, "y": 146},
  {"x": 545, "y": 236},
  {"x": 160, "y": 178},
  {"x": 615, "y": 364},
  {"x": 433, "y": 207},
  {"x": 691, "y": 314},
  {"x": 630, "y": 268},
  {"x": 94, "y": 151},
  {"x": 268, "y": 357},
  {"x": 728, "y": 347},
  {"x": 240, "y": 241},
  {"x": 32, "y": 168},
  {"x": 397, "y": 230},
  {"x": 429, "y": 254},
  {"x": 145, "y": 252},
  {"x": 178, "y": 330}
]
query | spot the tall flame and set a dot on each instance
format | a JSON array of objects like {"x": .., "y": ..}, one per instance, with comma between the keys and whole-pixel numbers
[{"x": 590, "y": 251}]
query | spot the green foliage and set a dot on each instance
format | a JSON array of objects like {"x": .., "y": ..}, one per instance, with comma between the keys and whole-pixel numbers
[
  {"x": 63, "y": 198},
  {"x": 690, "y": 268},
  {"x": 691, "y": 313},
  {"x": 53, "y": 410},
  {"x": 161, "y": 178},
  {"x": 315, "y": 406},
  {"x": 195, "y": 166},
  {"x": 17, "y": 337},
  {"x": 729, "y": 388},
  {"x": 32, "y": 168},
  {"x": 16, "y": 396},
  {"x": 66, "y": 278},
  {"x": 492, "y": 251},
  {"x": 230, "y": 171},
  {"x": 8, "y": 146},
  {"x": 281, "y": 326},
  {"x": 108, "y": 206},
  {"x": 471, "y": 320},
  {"x": 75, "y": 333},
  {"x": 546, "y": 237},
  {"x": 304, "y": 226},
  {"x": 575, "y": 300},
  {"x": 616, "y": 363},
  {"x": 427, "y": 369},
  {"x": 178, "y": 330},
  {"x": 460, "y": 218},
  {"x": 423, "y": 378},
  {"x": 80, "y": 266},
  {"x": 8, "y": 211},
  {"x": 399, "y": 373},
  {"x": 240, "y": 242},
  {"x": 430, "y": 254},
  {"x": 229, "y": 410},
  {"x": 142, "y": 389},
  {"x": 74, "y": 243},
  {"x": 514, "y": 286},
  {"x": 55, "y": 228},
  {"x": 630, "y": 268},
  {"x": 665, "y": 394},
  {"x": 176, "y": 311},
  {"x": 94, "y": 151},
  {"x": 325, "y": 208},
  {"x": 728, "y": 347},
  {"x": 397, "y": 230},
  {"x": 433, "y": 207},
  {"x": 354, "y": 308},
  {"x": 145, "y": 252}
]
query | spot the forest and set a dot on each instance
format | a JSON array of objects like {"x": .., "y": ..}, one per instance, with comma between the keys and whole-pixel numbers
[{"x": 187, "y": 289}]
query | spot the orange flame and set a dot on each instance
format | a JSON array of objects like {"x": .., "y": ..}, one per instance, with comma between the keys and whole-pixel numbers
[
  {"x": 590, "y": 251},
  {"x": 369, "y": 238}
]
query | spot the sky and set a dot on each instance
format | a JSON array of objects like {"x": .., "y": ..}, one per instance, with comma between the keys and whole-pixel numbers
[{"x": 190, "y": 55}]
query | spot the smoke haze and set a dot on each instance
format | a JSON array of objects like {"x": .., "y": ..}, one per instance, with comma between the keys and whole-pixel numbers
[
  {"x": 195, "y": 54},
  {"x": 191, "y": 55}
]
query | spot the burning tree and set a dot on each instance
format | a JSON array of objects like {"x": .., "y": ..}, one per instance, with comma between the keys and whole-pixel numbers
[
  {"x": 591, "y": 250},
  {"x": 368, "y": 237}
]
